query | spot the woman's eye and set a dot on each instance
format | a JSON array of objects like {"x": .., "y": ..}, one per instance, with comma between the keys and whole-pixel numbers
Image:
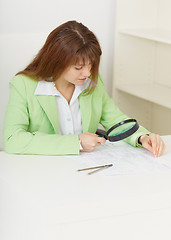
[{"x": 78, "y": 68}]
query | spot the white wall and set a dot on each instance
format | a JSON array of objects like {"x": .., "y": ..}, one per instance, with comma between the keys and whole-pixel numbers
[{"x": 25, "y": 24}]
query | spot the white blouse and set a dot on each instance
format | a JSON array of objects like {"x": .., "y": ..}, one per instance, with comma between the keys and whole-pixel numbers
[{"x": 69, "y": 115}]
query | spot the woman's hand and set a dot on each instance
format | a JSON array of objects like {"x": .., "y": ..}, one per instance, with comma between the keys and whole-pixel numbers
[
  {"x": 153, "y": 143},
  {"x": 89, "y": 141}
]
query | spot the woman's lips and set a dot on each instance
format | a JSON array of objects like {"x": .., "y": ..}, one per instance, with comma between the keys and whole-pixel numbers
[{"x": 82, "y": 79}]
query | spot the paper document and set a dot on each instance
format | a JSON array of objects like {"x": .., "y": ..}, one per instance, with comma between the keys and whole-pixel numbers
[{"x": 125, "y": 159}]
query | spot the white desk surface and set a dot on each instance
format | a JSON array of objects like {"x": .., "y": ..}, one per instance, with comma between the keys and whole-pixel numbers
[{"x": 44, "y": 197}]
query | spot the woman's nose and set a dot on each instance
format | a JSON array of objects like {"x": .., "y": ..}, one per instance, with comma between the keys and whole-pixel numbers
[{"x": 86, "y": 72}]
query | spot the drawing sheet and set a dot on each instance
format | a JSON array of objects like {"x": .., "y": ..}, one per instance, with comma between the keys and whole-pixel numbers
[{"x": 125, "y": 159}]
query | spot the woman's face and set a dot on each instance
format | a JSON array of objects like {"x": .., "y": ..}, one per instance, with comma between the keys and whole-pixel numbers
[{"x": 76, "y": 74}]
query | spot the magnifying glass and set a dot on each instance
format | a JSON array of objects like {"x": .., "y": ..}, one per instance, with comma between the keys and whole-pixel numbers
[{"x": 120, "y": 130}]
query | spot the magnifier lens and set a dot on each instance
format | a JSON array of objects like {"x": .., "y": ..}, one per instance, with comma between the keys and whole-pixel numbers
[{"x": 122, "y": 128}]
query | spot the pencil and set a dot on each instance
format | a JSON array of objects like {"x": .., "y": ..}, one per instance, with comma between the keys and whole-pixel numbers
[
  {"x": 90, "y": 168},
  {"x": 99, "y": 169}
]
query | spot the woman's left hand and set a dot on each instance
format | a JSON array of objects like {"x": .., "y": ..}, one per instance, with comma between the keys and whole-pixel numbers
[{"x": 153, "y": 143}]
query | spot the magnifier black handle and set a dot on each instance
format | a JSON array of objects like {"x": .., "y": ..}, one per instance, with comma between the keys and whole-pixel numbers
[{"x": 102, "y": 133}]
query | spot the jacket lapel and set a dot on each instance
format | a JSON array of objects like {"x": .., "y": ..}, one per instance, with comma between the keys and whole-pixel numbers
[{"x": 48, "y": 103}]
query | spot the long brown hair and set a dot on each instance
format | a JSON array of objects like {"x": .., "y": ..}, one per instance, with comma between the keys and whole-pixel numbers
[{"x": 68, "y": 44}]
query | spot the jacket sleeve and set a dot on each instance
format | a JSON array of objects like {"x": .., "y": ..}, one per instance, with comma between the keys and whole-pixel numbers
[
  {"x": 111, "y": 115},
  {"x": 18, "y": 139}
]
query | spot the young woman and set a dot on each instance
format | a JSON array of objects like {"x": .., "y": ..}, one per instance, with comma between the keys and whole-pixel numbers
[{"x": 57, "y": 102}]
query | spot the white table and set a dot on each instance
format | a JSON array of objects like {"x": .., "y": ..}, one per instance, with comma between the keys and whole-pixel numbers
[{"x": 44, "y": 197}]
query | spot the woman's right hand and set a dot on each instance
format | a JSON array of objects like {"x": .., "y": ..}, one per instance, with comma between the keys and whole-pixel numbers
[{"x": 89, "y": 141}]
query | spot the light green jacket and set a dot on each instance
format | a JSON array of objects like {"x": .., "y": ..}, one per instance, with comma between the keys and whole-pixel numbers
[{"x": 31, "y": 122}]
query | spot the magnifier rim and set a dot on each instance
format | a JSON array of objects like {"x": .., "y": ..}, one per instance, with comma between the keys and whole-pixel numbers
[{"x": 125, "y": 134}]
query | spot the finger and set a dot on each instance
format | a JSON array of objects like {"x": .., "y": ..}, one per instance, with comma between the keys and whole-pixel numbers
[
  {"x": 153, "y": 139},
  {"x": 162, "y": 147},
  {"x": 98, "y": 144},
  {"x": 154, "y": 144},
  {"x": 101, "y": 140},
  {"x": 148, "y": 145},
  {"x": 157, "y": 145}
]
